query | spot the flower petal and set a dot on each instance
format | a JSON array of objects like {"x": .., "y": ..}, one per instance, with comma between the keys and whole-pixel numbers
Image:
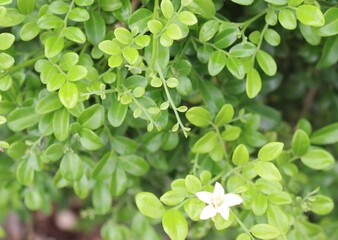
[
  {"x": 232, "y": 199},
  {"x": 218, "y": 190},
  {"x": 204, "y": 197},
  {"x": 224, "y": 210},
  {"x": 208, "y": 212}
]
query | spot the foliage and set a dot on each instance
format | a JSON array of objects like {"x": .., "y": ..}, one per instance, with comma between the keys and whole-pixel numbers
[{"x": 137, "y": 110}]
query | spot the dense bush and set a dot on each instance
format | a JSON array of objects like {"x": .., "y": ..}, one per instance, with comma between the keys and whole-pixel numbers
[{"x": 139, "y": 108}]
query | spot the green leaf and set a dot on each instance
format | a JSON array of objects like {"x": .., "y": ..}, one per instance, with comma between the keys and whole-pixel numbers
[
  {"x": 205, "y": 8},
  {"x": 328, "y": 57},
  {"x": 193, "y": 208},
  {"x": 317, "y": 159},
  {"x": 187, "y": 18},
  {"x": 206, "y": 143},
  {"x": 267, "y": 171},
  {"x": 71, "y": 167},
  {"x": 12, "y": 17},
  {"x": 287, "y": 19},
  {"x": 93, "y": 117},
  {"x": 117, "y": 113},
  {"x": 208, "y": 30},
  {"x": 198, "y": 116},
  {"x": 224, "y": 115},
  {"x": 89, "y": 140},
  {"x": 123, "y": 35},
  {"x": 118, "y": 182},
  {"x": 22, "y": 118},
  {"x": 101, "y": 198},
  {"x": 264, "y": 231},
  {"x": 270, "y": 151},
  {"x": 29, "y": 31},
  {"x": 69, "y": 95},
  {"x": 172, "y": 198},
  {"x": 50, "y": 21},
  {"x": 300, "y": 143},
  {"x": 82, "y": 187},
  {"x": 253, "y": 83},
  {"x": 48, "y": 103},
  {"x": 240, "y": 155},
  {"x": 84, "y": 3},
  {"x": 115, "y": 61},
  {"x": 235, "y": 67},
  {"x": 95, "y": 28},
  {"x": 61, "y": 124},
  {"x": 74, "y": 34},
  {"x": 68, "y": 60},
  {"x": 58, "y": 7},
  {"x": 134, "y": 165},
  {"x": 6, "y": 61},
  {"x": 266, "y": 62},
  {"x": 226, "y": 37},
  {"x": 192, "y": 184},
  {"x": 76, "y": 73},
  {"x": 5, "y": 2},
  {"x": 155, "y": 26},
  {"x": 217, "y": 62},
  {"x": 278, "y": 218},
  {"x": 25, "y": 173},
  {"x": 243, "y": 50},
  {"x": 280, "y": 198},
  {"x": 322, "y": 205},
  {"x": 7, "y": 40},
  {"x": 149, "y": 205},
  {"x": 243, "y": 2},
  {"x": 167, "y": 8},
  {"x": 331, "y": 23},
  {"x": 33, "y": 199},
  {"x": 131, "y": 55},
  {"x": 109, "y": 47},
  {"x": 277, "y": 2},
  {"x": 325, "y": 135},
  {"x": 175, "y": 224},
  {"x": 53, "y": 153},
  {"x": 231, "y": 133},
  {"x": 310, "y": 35},
  {"x": 142, "y": 40},
  {"x": 140, "y": 18},
  {"x": 259, "y": 204},
  {"x": 310, "y": 15},
  {"x": 26, "y": 6},
  {"x": 272, "y": 37},
  {"x": 78, "y": 15},
  {"x": 174, "y": 31},
  {"x": 53, "y": 46}
]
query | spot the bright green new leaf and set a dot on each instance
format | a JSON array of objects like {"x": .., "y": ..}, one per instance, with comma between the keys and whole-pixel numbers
[
  {"x": 272, "y": 37},
  {"x": 277, "y": 2},
  {"x": 172, "y": 198},
  {"x": 89, "y": 140},
  {"x": 149, "y": 205},
  {"x": 75, "y": 34},
  {"x": 192, "y": 184},
  {"x": 130, "y": 54},
  {"x": 71, "y": 167},
  {"x": 187, "y": 18},
  {"x": 29, "y": 31},
  {"x": 61, "y": 124},
  {"x": 224, "y": 115},
  {"x": 142, "y": 40},
  {"x": 26, "y": 6},
  {"x": 76, "y": 73},
  {"x": 48, "y": 103},
  {"x": 231, "y": 133},
  {"x": 174, "y": 31},
  {"x": 123, "y": 35},
  {"x": 226, "y": 37},
  {"x": 69, "y": 95},
  {"x": 78, "y": 15},
  {"x": 22, "y": 118},
  {"x": 139, "y": 19},
  {"x": 243, "y": 50},
  {"x": 25, "y": 173},
  {"x": 53, "y": 46},
  {"x": 253, "y": 83},
  {"x": 6, "y": 61},
  {"x": 259, "y": 204},
  {"x": 50, "y": 21},
  {"x": 235, "y": 67},
  {"x": 7, "y": 40},
  {"x": 93, "y": 117},
  {"x": 280, "y": 198},
  {"x": 267, "y": 171},
  {"x": 175, "y": 224},
  {"x": 317, "y": 159},
  {"x": 243, "y": 2},
  {"x": 84, "y": 3},
  {"x": 117, "y": 113},
  {"x": 278, "y": 218},
  {"x": 216, "y": 62},
  {"x": 206, "y": 143},
  {"x": 155, "y": 26},
  {"x": 310, "y": 15},
  {"x": 325, "y": 135},
  {"x": 198, "y": 116},
  {"x": 300, "y": 143},
  {"x": 270, "y": 151},
  {"x": 68, "y": 60},
  {"x": 240, "y": 155},
  {"x": 322, "y": 205},
  {"x": 287, "y": 19},
  {"x": 11, "y": 18},
  {"x": 208, "y": 30},
  {"x": 266, "y": 62},
  {"x": 264, "y": 231},
  {"x": 115, "y": 61},
  {"x": 205, "y": 8},
  {"x": 193, "y": 208},
  {"x": 167, "y": 8}
]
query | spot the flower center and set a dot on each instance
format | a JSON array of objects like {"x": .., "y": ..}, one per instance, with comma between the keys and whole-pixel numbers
[{"x": 217, "y": 201}]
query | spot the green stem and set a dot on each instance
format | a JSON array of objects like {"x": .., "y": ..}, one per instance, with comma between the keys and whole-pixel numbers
[
  {"x": 260, "y": 41},
  {"x": 247, "y": 231},
  {"x": 22, "y": 65},
  {"x": 154, "y": 50},
  {"x": 220, "y": 139},
  {"x": 118, "y": 84},
  {"x": 171, "y": 102}
]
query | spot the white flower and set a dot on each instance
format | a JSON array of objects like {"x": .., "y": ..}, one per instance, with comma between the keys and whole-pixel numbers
[{"x": 218, "y": 202}]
